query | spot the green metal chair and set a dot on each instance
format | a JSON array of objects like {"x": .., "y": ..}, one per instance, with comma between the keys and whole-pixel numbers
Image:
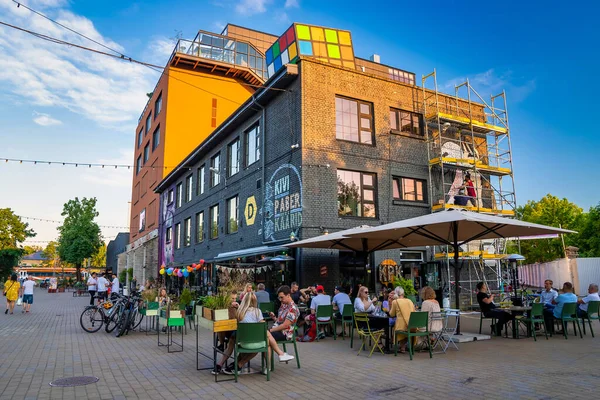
[
  {"x": 482, "y": 317},
  {"x": 347, "y": 319},
  {"x": 252, "y": 338},
  {"x": 325, "y": 311},
  {"x": 569, "y": 314},
  {"x": 267, "y": 308},
  {"x": 536, "y": 316},
  {"x": 283, "y": 343},
  {"x": 593, "y": 308},
  {"x": 366, "y": 334},
  {"x": 418, "y": 320}
]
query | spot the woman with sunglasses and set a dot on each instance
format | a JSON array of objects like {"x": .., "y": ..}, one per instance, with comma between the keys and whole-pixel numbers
[{"x": 362, "y": 304}]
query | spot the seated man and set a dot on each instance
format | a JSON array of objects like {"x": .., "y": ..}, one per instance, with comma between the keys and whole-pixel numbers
[
  {"x": 489, "y": 310},
  {"x": 583, "y": 303},
  {"x": 339, "y": 300},
  {"x": 548, "y": 295},
  {"x": 261, "y": 295},
  {"x": 566, "y": 297},
  {"x": 297, "y": 295},
  {"x": 320, "y": 299}
]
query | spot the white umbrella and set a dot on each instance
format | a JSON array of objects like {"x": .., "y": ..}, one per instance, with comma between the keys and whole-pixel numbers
[
  {"x": 341, "y": 240},
  {"x": 453, "y": 228}
]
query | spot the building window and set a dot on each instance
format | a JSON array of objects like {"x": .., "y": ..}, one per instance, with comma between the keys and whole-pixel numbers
[
  {"x": 405, "y": 121},
  {"x": 232, "y": 215},
  {"x": 148, "y": 123},
  {"x": 169, "y": 234},
  {"x": 213, "y": 120},
  {"x": 199, "y": 227},
  {"x": 142, "y": 220},
  {"x": 156, "y": 138},
  {"x": 178, "y": 195},
  {"x": 146, "y": 153},
  {"x": 401, "y": 76},
  {"x": 252, "y": 145},
  {"x": 353, "y": 120},
  {"x": 138, "y": 165},
  {"x": 140, "y": 138},
  {"x": 356, "y": 194},
  {"x": 188, "y": 188},
  {"x": 170, "y": 196},
  {"x": 214, "y": 221},
  {"x": 201, "y": 175},
  {"x": 158, "y": 106},
  {"x": 187, "y": 232},
  {"x": 177, "y": 236},
  {"x": 215, "y": 176},
  {"x": 233, "y": 157},
  {"x": 409, "y": 189}
]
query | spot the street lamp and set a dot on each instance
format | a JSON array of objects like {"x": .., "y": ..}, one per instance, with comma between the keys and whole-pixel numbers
[{"x": 216, "y": 171}]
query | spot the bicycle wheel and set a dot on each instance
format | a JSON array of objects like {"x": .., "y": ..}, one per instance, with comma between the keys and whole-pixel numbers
[
  {"x": 91, "y": 319},
  {"x": 123, "y": 323},
  {"x": 113, "y": 321},
  {"x": 136, "y": 320}
]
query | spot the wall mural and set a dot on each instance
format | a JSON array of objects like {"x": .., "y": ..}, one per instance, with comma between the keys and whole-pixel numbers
[
  {"x": 167, "y": 211},
  {"x": 282, "y": 211}
]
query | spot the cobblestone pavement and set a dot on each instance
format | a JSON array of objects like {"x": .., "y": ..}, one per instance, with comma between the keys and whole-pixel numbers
[{"x": 49, "y": 344}]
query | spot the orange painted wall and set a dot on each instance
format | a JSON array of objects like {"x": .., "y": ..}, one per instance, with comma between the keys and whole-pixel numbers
[{"x": 189, "y": 110}]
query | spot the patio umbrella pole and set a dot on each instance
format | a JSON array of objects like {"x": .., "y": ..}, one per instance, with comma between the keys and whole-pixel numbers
[{"x": 456, "y": 274}]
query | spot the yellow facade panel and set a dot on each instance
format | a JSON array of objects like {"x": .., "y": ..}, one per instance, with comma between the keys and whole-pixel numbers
[
  {"x": 345, "y": 38},
  {"x": 317, "y": 34}
]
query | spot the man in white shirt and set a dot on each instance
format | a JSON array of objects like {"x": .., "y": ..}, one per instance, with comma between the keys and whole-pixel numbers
[
  {"x": 102, "y": 287},
  {"x": 583, "y": 303},
  {"x": 339, "y": 300},
  {"x": 115, "y": 284},
  {"x": 92, "y": 285},
  {"x": 321, "y": 299},
  {"x": 548, "y": 295},
  {"x": 27, "y": 294}
]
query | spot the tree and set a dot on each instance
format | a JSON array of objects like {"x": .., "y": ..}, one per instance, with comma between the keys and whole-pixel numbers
[
  {"x": 589, "y": 234},
  {"x": 31, "y": 249},
  {"x": 9, "y": 258},
  {"x": 552, "y": 211},
  {"x": 12, "y": 229},
  {"x": 99, "y": 259},
  {"x": 79, "y": 236}
]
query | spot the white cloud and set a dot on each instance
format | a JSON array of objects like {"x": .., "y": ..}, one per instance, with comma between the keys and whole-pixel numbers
[
  {"x": 110, "y": 176},
  {"x": 282, "y": 17},
  {"x": 45, "y": 119},
  {"x": 251, "y": 7},
  {"x": 108, "y": 91},
  {"x": 161, "y": 49},
  {"x": 291, "y": 4},
  {"x": 492, "y": 82}
]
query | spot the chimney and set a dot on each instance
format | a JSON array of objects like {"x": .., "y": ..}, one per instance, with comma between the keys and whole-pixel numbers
[{"x": 375, "y": 58}]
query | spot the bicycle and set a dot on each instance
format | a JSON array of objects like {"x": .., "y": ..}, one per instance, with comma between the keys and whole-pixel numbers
[
  {"x": 130, "y": 318},
  {"x": 93, "y": 317}
]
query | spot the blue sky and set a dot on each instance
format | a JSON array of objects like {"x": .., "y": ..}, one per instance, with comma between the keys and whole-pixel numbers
[{"x": 60, "y": 103}]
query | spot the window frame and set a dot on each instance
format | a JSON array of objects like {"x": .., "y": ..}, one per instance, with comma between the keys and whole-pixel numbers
[
  {"x": 189, "y": 186},
  {"x": 215, "y": 178},
  {"x": 360, "y": 115},
  {"x": 138, "y": 165},
  {"x": 169, "y": 234},
  {"x": 201, "y": 179},
  {"x": 177, "y": 236},
  {"x": 237, "y": 214},
  {"x": 398, "y": 121},
  {"x": 399, "y": 180},
  {"x": 362, "y": 189},
  {"x": 156, "y": 138},
  {"x": 140, "y": 138},
  {"x": 148, "y": 123},
  {"x": 170, "y": 196},
  {"x": 146, "y": 153},
  {"x": 230, "y": 171},
  {"x": 214, "y": 231},
  {"x": 158, "y": 105},
  {"x": 200, "y": 227},
  {"x": 178, "y": 195},
  {"x": 255, "y": 127},
  {"x": 187, "y": 232}
]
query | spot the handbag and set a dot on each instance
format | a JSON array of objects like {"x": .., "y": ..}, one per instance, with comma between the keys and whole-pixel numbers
[
  {"x": 4, "y": 293},
  {"x": 20, "y": 301}
]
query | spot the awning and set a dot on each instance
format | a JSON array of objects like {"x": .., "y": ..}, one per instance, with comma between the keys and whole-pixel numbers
[{"x": 253, "y": 251}]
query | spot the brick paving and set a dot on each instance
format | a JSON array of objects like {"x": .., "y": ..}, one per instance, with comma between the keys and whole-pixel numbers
[{"x": 49, "y": 344}]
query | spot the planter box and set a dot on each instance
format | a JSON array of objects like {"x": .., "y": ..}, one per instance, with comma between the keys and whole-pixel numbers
[
  {"x": 152, "y": 305},
  {"x": 215, "y": 315},
  {"x": 172, "y": 314},
  {"x": 218, "y": 326}
]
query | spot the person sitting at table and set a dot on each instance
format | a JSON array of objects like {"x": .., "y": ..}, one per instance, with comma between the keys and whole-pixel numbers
[
  {"x": 340, "y": 299},
  {"x": 401, "y": 309},
  {"x": 548, "y": 295},
  {"x": 297, "y": 295},
  {"x": 385, "y": 305},
  {"x": 247, "y": 289},
  {"x": 567, "y": 296},
  {"x": 163, "y": 298},
  {"x": 431, "y": 305},
  {"x": 489, "y": 310},
  {"x": 248, "y": 312},
  {"x": 583, "y": 303},
  {"x": 321, "y": 299},
  {"x": 362, "y": 304},
  {"x": 261, "y": 294}
]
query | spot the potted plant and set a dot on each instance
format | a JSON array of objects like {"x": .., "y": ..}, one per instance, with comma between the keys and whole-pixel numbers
[
  {"x": 215, "y": 307},
  {"x": 408, "y": 286},
  {"x": 185, "y": 298},
  {"x": 151, "y": 305}
]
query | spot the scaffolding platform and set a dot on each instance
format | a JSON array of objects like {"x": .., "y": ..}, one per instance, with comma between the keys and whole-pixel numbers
[
  {"x": 471, "y": 255},
  {"x": 483, "y": 210},
  {"x": 470, "y": 163},
  {"x": 478, "y": 126}
]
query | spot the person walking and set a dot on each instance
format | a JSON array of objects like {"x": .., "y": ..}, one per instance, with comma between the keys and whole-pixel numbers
[
  {"x": 92, "y": 285},
  {"x": 11, "y": 291},
  {"x": 115, "y": 285},
  {"x": 27, "y": 294}
]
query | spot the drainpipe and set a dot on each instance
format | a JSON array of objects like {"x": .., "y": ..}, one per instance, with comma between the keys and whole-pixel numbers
[{"x": 263, "y": 155}]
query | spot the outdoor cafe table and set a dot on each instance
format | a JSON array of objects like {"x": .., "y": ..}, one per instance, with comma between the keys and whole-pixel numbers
[
  {"x": 515, "y": 311},
  {"x": 377, "y": 322}
]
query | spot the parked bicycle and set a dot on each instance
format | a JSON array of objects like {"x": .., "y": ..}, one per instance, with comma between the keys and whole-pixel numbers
[
  {"x": 93, "y": 317},
  {"x": 129, "y": 316}
]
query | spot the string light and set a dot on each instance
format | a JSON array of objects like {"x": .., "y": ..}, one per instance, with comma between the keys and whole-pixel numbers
[
  {"x": 76, "y": 164},
  {"x": 60, "y": 222}
]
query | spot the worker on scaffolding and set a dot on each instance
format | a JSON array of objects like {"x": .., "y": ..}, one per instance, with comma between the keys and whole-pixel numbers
[{"x": 470, "y": 187}]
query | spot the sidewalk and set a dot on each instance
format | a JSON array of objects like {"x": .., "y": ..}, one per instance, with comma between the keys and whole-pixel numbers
[{"x": 49, "y": 344}]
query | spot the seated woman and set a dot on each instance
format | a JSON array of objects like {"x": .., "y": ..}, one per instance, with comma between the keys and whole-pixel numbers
[
  {"x": 489, "y": 310},
  {"x": 431, "y": 305},
  {"x": 401, "y": 309},
  {"x": 385, "y": 306},
  {"x": 163, "y": 298},
  {"x": 362, "y": 303},
  {"x": 248, "y": 312}
]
